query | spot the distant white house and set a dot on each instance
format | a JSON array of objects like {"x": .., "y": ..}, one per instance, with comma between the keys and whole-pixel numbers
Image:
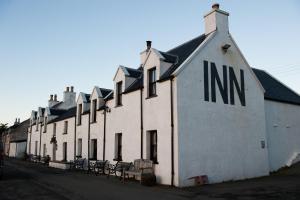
[{"x": 197, "y": 109}]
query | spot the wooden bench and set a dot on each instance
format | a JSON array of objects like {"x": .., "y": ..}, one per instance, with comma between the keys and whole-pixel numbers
[
  {"x": 140, "y": 167},
  {"x": 77, "y": 164},
  {"x": 119, "y": 167}
]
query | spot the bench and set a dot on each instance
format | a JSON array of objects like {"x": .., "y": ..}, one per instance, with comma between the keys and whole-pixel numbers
[
  {"x": 140, "y": 168},
  {"x": 98, "y": 166},
  {"x": 77, "y": 164},
  {"x": 119, "y": 167}
]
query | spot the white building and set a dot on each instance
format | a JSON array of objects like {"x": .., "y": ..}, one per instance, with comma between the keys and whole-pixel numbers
[{"x": 197, "y": 109}]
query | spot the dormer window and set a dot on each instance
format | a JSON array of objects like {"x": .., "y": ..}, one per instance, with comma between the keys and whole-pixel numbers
[
  {"x": 152, "y": 82},
  {"x": 45, "y": 124},
  {"x": 79, "y": 113},
  {"x": 94, "y": 110},
  {"x": 65, "y": 127},
  {"x": 37, "y": 125},
  {"x": 119, "y": 94}
]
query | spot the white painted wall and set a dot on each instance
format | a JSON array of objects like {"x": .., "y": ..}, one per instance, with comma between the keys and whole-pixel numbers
[
  {"x": 218, "y": 140},
  {"x": 283, "y": 129},
  {"x": 69, "y": 138}
]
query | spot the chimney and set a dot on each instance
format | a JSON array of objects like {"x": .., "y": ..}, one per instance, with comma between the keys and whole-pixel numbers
[
  {"x": 216, "y": 20},
  {"x": 19, "y": 121},
  {"x": 51, "y": 97},
  {"x": 55, "y": 97},
  {"x": 148, "y": 45},
  {"x": 69, "y": 97}
]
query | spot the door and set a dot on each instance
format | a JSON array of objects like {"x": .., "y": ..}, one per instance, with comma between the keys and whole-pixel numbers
[{"x": 64, "y": 151}]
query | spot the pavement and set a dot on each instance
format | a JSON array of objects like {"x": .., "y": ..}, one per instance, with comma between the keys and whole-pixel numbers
[{"x": 24, "y": 180}]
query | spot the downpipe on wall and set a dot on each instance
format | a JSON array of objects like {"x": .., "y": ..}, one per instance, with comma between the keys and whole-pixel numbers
[{"x": 172, "y": 131}]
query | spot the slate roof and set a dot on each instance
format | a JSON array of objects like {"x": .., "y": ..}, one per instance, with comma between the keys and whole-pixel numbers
[
  {"x": 109, "y": 96},
  {"x": 88, "y": 97},
  {"x": 176, "y": 55},
  {"x": 182, "y": 52},
  {"x": 136, "y": 85},
  {"x": 57, "y": 105},
  {"x": 56, "y": 111},
  {"x": 274, "y": 90},
  {"x": 135, "y": 73},
  {"x": 105, "y": 92},
  {"x": 168, "y": 57},
  {"x": 67, "y": 114}
]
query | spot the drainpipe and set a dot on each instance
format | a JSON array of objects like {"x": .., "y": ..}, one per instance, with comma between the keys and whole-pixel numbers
[
  {"x": 89, "y": 128},
  {"x": 104, "y": 130},
  {"x": 29, "y": 148},
  {"x": 172, "y": 132},
  {"x": 40, "y": 141},
  {"x": 142, "y": 126},
  {"x": 75, "y": 126}
]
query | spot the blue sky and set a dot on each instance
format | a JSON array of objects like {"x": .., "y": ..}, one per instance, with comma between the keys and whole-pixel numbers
[{"x": 46, "y": 45}]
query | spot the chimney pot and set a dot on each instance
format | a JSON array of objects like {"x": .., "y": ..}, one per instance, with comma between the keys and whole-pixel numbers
[
  {"x": 51, "y": 97},
  {"x": 216, "y": 6},
  {"x": 67, "y": 89},
  {"x": 72, "y": 88},
  {"x": 149, "y": 43},
  {"x": 55, "y": 97}
]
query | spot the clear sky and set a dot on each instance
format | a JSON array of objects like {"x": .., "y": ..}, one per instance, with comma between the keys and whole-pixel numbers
[{"x": 46, "y": 45}]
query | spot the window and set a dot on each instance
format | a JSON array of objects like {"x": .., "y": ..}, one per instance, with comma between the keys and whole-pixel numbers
[
  {"x": 37, "y": 125},
  {"x": 44, "y": 150},
  {"x": 64, "y": 151},
  {"x": 79, "y": 148},
  {"x": 94, "y": 110},
  {"x": 152, "y": 82},
  {"x": 93, "y": 149},
  {"x": 153, "y": 146},
  {"x": 54, "y": 129},
  {"x": 65, "y": 127},
  {"x": 118, "y": 147},
  {"x": 45, "y": 124},
  {"x": 79, "y": 112},
  {"x": 119, "y": 93}
]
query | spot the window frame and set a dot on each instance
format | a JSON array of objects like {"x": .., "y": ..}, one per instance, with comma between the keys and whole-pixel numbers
[
  {"x": 119, "y": 86},
  {"x": 45, "y": 124},
  {"x": 54, "y": 129},
  {"x": 93, "y": 150},
  {"x": 66, "y": 125},
  {"x": 118, "y": 147},
  {"x": 152, "y": 89},
  {"x": 79, "y": 153},
  {"x": 153, "y": 146},
  {"x": 94, "y": 110},
  {"x": 79, "y": 114}
]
